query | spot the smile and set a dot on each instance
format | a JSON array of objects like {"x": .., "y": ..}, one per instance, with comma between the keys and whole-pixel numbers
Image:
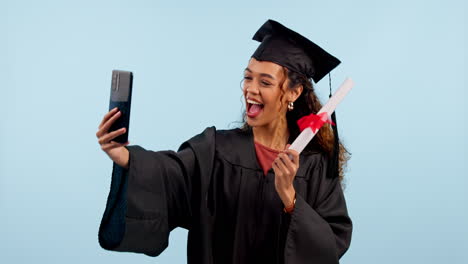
[{"x": 254, "y": 108}]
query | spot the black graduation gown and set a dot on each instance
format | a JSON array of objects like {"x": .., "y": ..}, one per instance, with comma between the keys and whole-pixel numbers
[{"x": 214, "y": 187}]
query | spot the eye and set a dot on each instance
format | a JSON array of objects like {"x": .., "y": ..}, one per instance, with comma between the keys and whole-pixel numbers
[
  {"x": 247, "y": 78},
  {"x": 265, "y": 83}
]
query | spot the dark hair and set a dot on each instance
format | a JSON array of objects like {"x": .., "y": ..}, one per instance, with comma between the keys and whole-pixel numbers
[{"x": 305, "y": 104}]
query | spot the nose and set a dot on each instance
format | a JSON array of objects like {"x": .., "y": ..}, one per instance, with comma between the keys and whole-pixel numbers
[{"x": 251, "y": 88}]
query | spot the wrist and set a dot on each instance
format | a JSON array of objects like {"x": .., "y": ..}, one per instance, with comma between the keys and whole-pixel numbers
[
  {"x": 289, "y": 209},
  {"x": 124, "y": 159},
  {"x": 288, "y": 197}
]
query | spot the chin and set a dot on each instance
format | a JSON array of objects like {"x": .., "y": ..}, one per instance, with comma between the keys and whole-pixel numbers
[
  {"x": 256, "y": 123},
  {"x": 252, "y": 123}
]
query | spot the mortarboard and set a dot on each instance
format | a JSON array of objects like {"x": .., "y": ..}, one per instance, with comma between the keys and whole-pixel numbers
[{"x": 287, "y": 48}]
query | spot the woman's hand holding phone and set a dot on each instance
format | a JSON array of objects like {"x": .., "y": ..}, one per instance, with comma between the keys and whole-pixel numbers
[{"x": 116, "y": 151}]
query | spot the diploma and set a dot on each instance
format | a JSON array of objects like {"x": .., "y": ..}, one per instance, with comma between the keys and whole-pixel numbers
[{"x": 312, "y": 123}]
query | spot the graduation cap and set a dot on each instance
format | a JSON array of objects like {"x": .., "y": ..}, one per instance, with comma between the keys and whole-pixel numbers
[{"x": 288, "y": 48}]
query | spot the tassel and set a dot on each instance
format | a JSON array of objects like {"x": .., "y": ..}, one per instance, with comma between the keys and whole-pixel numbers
[{"x": 333, "y": 168}]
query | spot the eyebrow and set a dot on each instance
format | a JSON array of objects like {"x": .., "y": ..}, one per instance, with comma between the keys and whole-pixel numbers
[{"x": 262, "y": 74}]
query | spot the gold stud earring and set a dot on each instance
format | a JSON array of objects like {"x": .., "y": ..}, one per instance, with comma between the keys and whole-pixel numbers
[{"x": 290, "y": 106}]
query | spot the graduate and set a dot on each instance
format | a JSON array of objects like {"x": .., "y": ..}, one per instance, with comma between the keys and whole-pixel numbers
[{"x": 243, "y": 196}]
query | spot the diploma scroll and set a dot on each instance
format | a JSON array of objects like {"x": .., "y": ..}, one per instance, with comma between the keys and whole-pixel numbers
[{"x": 307, "y": 134}]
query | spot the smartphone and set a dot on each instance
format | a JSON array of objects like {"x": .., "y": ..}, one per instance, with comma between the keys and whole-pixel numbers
[{"x": 121, "y": 97}]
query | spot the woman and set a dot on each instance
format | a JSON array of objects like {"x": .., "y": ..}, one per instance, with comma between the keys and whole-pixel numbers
[{"x": 243, "y": 196}]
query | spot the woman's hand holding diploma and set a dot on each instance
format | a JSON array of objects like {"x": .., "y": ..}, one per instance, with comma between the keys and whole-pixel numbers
[
  {"x": 285, "y": 167},
  {"x": 116, "y": 151}
]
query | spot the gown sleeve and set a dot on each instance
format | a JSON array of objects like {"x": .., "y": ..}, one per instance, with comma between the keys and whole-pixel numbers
[
  {"x": 150, "y": 199},
  {"x": 319, "y": 227}
]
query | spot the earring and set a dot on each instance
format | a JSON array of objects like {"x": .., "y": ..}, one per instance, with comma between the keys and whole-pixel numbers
[{"x": 290, "y": 106}]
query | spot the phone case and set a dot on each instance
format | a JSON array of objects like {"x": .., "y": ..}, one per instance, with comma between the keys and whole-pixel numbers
[{"x": 121, "y": 97}]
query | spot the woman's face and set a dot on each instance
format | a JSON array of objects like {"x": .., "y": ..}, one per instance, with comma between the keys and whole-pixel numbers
[{"x": 265, "y": 93}]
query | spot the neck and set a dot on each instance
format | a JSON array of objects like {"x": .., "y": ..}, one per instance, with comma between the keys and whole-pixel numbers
[{"x": 274, "y": 135}]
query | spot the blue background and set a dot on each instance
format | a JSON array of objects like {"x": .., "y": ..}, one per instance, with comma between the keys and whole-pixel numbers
[{"x": 404, "y": 122}]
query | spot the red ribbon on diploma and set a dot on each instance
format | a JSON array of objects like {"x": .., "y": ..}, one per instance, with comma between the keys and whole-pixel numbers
[{"x": 315, "y": 122}]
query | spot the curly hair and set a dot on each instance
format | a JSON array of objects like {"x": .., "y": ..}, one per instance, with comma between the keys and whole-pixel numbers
[{"x": 305, "y": 104}]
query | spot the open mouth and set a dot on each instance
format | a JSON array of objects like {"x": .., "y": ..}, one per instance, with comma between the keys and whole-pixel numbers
[{"x": 253, "y": 108}]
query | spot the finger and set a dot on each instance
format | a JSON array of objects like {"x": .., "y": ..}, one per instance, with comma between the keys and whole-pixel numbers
[
  {"x": 275, "y": 168},
  {"x": 113, "y": 144},
  {"x": 281, "y": 165},
  {"x": 287, "y": 162},
  {"x": 285, "y": 149},
  {"x": 105, "y": 127},
  {"x": 284, "y": 157},
  {"x": 107, "y": 116},
  {"x": 110, "y": 145},
  {"x": 110, "y": 136},
  {"x": 111, "y": 120},
  {"x": 294, "y": 154}
]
